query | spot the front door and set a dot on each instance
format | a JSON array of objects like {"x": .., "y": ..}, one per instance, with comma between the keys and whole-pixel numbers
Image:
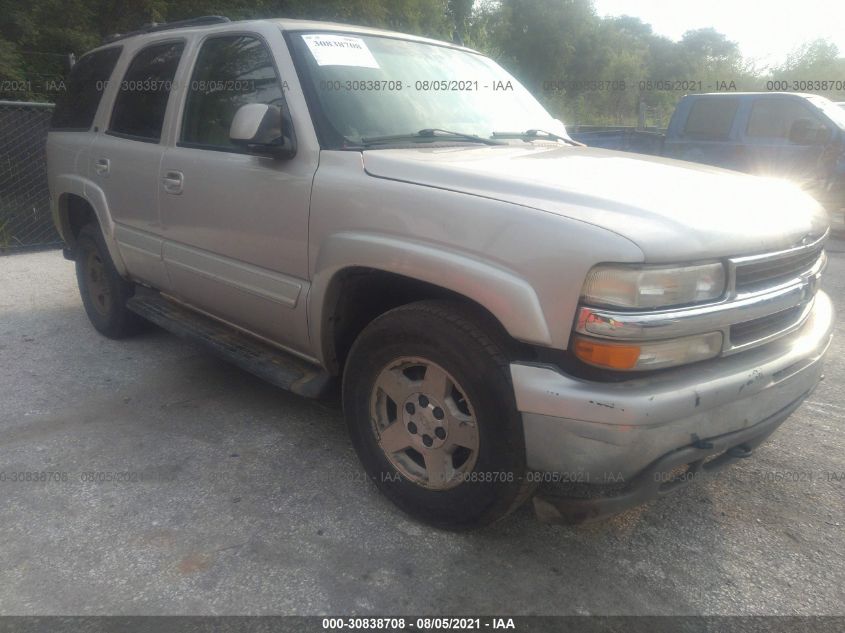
[
  {"x": 770, "y": 150},
  {"x": 708, "y": 135},
  {"x": 236, "y": 224}
]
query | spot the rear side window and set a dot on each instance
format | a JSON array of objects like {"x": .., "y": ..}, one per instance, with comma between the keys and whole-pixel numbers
[
  {"x": 230, "y": 72},
  {"x": 773, "y": 118},
  {"x": 711, "y": 119},
  {"x": 76, "y": 107},
  {"x": 143, "y": 93}
]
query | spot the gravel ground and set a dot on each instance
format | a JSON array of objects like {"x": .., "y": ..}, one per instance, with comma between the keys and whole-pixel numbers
[{"x": 244, "y": 499}]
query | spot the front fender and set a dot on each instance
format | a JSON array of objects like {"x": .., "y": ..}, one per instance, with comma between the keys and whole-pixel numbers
[{"x": 510, "y": 298}]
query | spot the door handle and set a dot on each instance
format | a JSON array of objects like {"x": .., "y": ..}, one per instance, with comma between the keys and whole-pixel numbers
[
  {"x": 102, "y": 166},
  {"x": 173, "y": 182}
]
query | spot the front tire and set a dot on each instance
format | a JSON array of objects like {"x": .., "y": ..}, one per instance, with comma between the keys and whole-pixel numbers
[
  {"x": 430, "y": 408},
  {"x": 104, "y": 292}
]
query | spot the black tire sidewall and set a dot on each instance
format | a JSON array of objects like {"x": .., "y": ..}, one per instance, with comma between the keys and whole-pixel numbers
[
  {"x": 117, "y": 320},
  {"x": 498, "y": 475}
]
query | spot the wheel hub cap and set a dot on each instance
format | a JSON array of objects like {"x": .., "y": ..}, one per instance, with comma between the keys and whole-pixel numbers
[
  {"x": 425, "y": 420},
  {"x": 424, "y": 423},
  {"x": 98, "y": 286}
]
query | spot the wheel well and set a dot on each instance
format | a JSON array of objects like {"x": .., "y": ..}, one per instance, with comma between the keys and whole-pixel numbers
[
  {"x": 75, "y": 212},
  {"x": 356, "y": 296}
]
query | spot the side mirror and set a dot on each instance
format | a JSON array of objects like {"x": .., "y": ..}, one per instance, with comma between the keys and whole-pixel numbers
[
  {"x": 264, "y": 129},
  {"x": 808, "y": 132},
  {"x": 825, "y": 134}
]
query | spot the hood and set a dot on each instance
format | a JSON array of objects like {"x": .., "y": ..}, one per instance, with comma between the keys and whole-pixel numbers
[{"x": 673, "y": 210}]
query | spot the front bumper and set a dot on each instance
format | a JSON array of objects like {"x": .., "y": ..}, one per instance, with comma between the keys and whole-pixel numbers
[{"x": 610, "y": 433}]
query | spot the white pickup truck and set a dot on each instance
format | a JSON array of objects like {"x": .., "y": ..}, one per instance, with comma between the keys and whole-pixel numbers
[{"x": 331, "y": 205}]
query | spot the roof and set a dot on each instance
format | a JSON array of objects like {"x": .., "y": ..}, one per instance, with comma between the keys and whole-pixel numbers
[
  {"x": 285, "y": 24},
  {"x": 315, "y": 25}
]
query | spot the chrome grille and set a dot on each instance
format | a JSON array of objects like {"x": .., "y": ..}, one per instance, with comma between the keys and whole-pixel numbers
[
  {"x": 764, "y": 273},
  {"x": 757, "y": 329},
  {"x": 798, "y": 268}
]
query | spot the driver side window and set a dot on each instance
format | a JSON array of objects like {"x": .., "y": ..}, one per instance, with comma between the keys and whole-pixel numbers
[
  {"x": 230, "y": 71},
  {"x": 773, "y": 118}
]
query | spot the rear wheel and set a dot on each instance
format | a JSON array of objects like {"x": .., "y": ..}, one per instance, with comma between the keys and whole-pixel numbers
[
  {"x": 104, "y": 292},
  {"x": 430, "y": 408}
]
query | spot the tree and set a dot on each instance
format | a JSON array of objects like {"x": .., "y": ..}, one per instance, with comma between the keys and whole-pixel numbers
[
  {"x": 813, "y": 67},
  {"x": 460, "y": 11},
  {"x": 574, "y": 61},
  {"x": 710, "y": 49}
]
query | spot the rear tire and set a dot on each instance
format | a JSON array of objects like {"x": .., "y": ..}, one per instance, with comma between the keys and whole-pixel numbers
[
  {"x": 104, "y": 292},
  {"x": 429, "y": 404}
]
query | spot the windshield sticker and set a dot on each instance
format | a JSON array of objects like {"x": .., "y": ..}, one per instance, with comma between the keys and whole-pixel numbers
[{"x": 340, "y": 50}]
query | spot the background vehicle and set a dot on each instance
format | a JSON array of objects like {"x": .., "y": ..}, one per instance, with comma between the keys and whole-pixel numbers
[
  {"x": 498, "y": 302},
  {"x": 785, "y": 135}
]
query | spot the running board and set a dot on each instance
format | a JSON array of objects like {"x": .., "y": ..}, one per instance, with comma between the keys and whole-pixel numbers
[{"x": 250, "y": 354}]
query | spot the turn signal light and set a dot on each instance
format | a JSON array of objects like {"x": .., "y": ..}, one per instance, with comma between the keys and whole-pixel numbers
[
  {"x": 649, "y": 354},
  {"x": 609, "y": 355}
]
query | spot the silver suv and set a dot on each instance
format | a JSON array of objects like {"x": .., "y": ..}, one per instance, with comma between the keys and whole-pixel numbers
[{"x": 328, "y": 205}]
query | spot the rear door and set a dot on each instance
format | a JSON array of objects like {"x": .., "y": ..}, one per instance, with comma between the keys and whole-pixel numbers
[
  {"x": 125, "y": 158},
  {"x": 70, "y": 137},
  {"x": 236, "y": 224},
  {"x": 708, "y": 133}
]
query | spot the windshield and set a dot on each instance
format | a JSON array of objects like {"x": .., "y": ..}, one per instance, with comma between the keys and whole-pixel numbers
[
  {"x": 363, "y": 87},
  {"x": 833, "y": 112}
]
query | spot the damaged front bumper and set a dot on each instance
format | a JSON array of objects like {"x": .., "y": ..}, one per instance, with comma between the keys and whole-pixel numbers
[{"x": 614, "y": 445}]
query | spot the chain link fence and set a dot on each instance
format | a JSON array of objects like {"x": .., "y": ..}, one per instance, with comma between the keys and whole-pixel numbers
[{"x": 25, "y": 219}]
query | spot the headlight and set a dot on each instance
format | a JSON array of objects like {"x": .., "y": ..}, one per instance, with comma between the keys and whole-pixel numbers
[
  {"x": 645, "y": 287},
  {"x": 651, "y": 355}
]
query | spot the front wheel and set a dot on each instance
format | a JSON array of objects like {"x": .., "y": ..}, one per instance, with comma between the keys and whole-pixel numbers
[{"x": 430, "y": 409}]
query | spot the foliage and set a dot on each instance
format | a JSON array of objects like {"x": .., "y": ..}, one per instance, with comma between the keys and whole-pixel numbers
[
  {"x": 813, "y": 67},
  {"x": 585, "y": 69}
]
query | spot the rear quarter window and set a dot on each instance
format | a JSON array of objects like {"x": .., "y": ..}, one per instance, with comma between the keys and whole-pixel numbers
[
  {"x": 76, "y": 107},
  {"x": 711, "y": 119}
]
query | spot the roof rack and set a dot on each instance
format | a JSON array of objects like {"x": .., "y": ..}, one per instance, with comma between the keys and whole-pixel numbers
[{"x": 166, "y": 26}]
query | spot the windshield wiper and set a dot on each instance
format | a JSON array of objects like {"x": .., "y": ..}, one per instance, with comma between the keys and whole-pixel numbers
[
  {"x": 531, "y": 135},
  {"x": 427, "y": 134}
]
